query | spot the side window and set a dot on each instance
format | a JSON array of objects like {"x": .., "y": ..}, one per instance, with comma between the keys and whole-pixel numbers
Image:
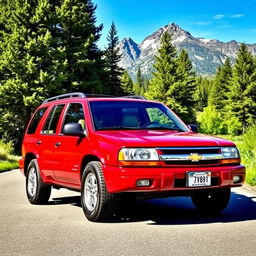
[
  {"x": 36, "y": 120},
  {"x": 75, "y": 114},
  {"x": 52, "y": 120}
]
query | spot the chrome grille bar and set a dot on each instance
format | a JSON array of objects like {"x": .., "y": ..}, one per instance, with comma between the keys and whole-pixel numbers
[
  {"x": 190, "y": 157},
  {"x": 187, "y": 148}
]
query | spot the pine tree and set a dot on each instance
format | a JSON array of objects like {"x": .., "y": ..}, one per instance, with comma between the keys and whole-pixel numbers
[
  {"x": 112, "y": 62},
  {"x": 27, "y": 68},
  {"x": 165, "y": 73},
  {"x": 187, "y": 87},
  {"x": 202, "y": 92},
  {"x": 242, "y": 96},
  {"x": 46, "y": 48},
  {"x": 221, "y": 86},
  {"x": 127, "y": 83},
  {"x": 77, "y": 37},
  {"x": 173, "y": 81},
  {"x": 139, "y": 85}
]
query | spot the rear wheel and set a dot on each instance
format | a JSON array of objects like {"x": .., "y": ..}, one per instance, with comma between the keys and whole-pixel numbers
[
  {"x": 97, "y": 203},
  {"x": 211, "y": 201},
  {"x": 37, "y": 191}
]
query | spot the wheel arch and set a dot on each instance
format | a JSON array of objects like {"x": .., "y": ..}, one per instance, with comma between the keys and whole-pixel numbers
[
  {"x": 86, "y": 159},
  {"x": 28, "y": 158}
]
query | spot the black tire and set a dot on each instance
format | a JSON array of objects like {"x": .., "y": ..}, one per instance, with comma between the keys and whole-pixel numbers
[
  {"x": 37, "y": 191},
  {"x": 211, "y": 201},
  {"x": 97, "y": 203}
]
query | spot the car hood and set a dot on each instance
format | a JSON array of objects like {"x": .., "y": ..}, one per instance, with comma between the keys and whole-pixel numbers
[{"x": 158, "y": 138}]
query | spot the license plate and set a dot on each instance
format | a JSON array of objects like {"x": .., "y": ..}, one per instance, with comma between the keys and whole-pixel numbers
[{"x": 199, "y": 179}]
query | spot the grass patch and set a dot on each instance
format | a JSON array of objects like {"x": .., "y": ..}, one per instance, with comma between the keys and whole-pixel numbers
[{"x": 8, "y": 165}]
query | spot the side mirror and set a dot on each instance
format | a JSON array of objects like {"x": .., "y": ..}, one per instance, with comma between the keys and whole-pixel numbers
[
  {"x": 74, "y": 129},
  {"x": 193, "y": 127}
]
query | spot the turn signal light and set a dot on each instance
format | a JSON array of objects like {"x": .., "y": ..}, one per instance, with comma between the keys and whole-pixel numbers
[
  {"x": 230, "y": 161},
  {"x": 139, "y": 163}
]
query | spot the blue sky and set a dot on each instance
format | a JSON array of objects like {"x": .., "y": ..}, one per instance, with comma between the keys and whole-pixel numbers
[{"x": 224, "y": 20}]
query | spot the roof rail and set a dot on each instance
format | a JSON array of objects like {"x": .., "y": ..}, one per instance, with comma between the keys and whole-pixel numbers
[
  {"x": 67, "y": 95},
  {"x": 82, "y": 95},
  {"x": 139, "y": 97}
]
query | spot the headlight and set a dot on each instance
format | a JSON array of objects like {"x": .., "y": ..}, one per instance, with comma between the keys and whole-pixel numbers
[
  {"x": 138, "y": 154},
  {"x": 229, "y": 152}
]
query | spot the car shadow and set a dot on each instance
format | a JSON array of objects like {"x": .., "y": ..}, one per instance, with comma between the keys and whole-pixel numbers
[
  {"x": 73, "y": 200},
  {"x": 176, "y": 210}
]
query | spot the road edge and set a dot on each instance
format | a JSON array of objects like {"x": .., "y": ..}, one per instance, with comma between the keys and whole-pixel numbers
[
  {"x": 4, "y": 172},
  {"x": 249, "y": 188}
]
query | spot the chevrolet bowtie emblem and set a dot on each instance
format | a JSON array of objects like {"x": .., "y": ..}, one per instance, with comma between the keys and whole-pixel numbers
[{"x": 194, "y": 157}]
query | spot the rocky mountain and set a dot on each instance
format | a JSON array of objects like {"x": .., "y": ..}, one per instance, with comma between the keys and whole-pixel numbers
[{"x": 206, "y": 54}]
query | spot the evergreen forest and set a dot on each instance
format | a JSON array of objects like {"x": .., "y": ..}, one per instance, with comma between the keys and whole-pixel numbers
[{"x": 49, "y": 47}]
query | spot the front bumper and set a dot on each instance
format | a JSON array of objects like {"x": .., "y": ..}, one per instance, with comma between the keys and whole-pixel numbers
[{"x": 124, "y": 179}]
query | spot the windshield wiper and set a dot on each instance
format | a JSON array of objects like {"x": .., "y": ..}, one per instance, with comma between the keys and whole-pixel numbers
[
  {"x": 138, "y": 128},
  {"x": 163, "y": 128},
  {"x": 117, "y": 128}
]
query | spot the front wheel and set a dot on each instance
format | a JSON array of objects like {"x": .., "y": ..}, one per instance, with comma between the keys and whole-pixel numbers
[
  {"x": 37, "y": 191},
  {"x": 97, "y": 203},
  {"x": 211, "y": 201}
]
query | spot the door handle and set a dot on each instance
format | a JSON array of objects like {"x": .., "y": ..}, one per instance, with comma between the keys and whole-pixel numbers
[
  {"x": 57, "y": 144},
  {"x": 38, "y": 142}
]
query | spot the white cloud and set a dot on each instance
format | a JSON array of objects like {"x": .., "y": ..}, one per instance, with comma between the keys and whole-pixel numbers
[
  {"x": 202, "y": 23},
  {"x": 222, "y": 16},
  {"x": 218, "y": 16},
  {"x": 240, "y": 15}
]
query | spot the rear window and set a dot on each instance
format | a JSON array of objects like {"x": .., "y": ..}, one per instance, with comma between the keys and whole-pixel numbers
[{"x": 36, "y": 120}]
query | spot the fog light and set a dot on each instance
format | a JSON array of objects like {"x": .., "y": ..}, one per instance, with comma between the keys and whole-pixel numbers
[
  {"x": 143, "y": 183},
  {"x": 236, "y": 179}
]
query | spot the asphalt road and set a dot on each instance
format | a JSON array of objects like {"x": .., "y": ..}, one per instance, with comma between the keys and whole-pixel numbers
[{"x": 154, "y": 227}]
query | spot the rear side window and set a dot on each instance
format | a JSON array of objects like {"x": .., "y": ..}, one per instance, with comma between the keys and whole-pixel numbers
[
  {"x": 53, "y": 119},
  {"x": 36, "y": 120}
]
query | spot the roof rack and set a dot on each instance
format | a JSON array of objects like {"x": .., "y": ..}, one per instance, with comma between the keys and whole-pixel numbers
[
  {"x": 83, "y": 95},
  {"x": 65, "y": 96}
]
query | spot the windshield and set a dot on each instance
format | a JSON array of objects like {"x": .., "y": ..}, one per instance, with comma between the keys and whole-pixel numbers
[{"x": 121, "y": 115}]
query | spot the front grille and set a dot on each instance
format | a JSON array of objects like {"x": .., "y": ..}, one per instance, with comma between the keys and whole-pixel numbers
[
  {"x": 188, "y": 150},
  {"x": 190, "y": 156}
]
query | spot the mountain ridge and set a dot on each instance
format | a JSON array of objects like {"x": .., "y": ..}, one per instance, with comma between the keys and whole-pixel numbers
[{"x": 205, "y": 54}]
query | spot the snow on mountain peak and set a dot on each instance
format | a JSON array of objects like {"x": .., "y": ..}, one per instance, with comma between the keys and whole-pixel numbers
[{"x": 205, "y": 54}]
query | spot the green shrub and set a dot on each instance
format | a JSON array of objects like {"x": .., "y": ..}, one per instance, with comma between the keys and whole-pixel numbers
[
  {"x": 211, "y": 121},
  {"x": 6, "y": 149},
  {"x": 249, "y": 141},
  {"x": 247, "y": 146},
  {"x": 234, "y": 126}
]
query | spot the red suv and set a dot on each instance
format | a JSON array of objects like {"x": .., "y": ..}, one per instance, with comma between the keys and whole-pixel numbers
[{"x": 108, "y": 147}]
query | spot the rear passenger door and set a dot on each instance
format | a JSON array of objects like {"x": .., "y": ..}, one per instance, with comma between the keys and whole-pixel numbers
[
  {"x": 47, "y": 141},
  {"x": 71, "y": 149}
]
